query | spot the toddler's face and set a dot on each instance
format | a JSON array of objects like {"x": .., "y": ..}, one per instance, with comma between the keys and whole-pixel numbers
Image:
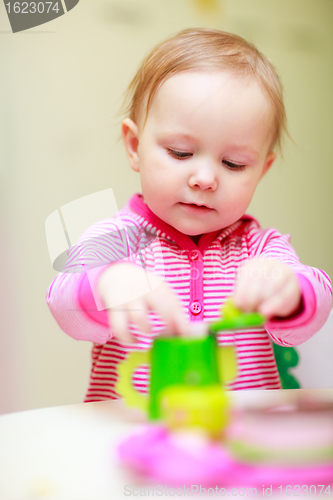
[{"x": 203, "y": 149}]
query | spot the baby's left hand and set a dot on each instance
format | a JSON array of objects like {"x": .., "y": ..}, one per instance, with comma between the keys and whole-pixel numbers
[{"x": 267, "y": 286}]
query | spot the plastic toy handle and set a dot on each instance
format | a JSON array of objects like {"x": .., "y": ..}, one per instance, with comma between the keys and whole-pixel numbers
[{"x": 124, "y": 385}]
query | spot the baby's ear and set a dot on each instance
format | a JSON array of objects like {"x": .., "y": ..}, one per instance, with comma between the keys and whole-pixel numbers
[
  {"x": 130, "y": 135},
  {"x": 270, "y": 158}
]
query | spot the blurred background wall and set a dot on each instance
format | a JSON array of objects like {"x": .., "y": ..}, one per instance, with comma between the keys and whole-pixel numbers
[{"x": 60, "y": 91}]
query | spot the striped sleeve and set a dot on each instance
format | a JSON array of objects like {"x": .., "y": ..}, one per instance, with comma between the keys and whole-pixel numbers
[
  {"x": 103, "y": 243},
  {"x": 315, "y": 285}
]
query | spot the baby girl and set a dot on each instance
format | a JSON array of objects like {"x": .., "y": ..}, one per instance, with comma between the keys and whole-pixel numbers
[{"x": 205, "y": 118}]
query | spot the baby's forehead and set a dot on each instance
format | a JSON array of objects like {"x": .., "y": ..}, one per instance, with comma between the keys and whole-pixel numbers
[
  {"x": 210, "y": 104},
  {"x": 202, "y": 93},
  {"x": 179, "y": 86}
]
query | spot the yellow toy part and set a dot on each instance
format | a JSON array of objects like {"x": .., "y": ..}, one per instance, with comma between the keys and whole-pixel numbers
[
  {"x": 227, "y": 363},
  {"x": 124, "y": 385},
  {"x": 229, "y": 310},
  {"x": 206, "y": 407}
]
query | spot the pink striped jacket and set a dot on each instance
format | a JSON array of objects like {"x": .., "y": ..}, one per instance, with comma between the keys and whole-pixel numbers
[{"x": 202, "y": 276}]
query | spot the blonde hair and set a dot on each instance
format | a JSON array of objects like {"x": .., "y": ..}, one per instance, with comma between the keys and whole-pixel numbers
[{"x": 203, "y": 49}]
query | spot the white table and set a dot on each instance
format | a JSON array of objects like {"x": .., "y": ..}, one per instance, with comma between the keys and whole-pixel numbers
[{"x": 69, "y": 452}]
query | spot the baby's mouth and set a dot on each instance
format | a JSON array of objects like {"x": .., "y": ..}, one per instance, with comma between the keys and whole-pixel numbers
[{"x": 195, "y": 207}]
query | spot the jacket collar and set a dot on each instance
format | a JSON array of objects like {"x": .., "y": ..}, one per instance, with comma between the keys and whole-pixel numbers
[{"x": 138, "y": 205}]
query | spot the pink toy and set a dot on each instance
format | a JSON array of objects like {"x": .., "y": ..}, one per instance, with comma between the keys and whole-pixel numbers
[
  {"x": 194, "y": 436},
  {"x": 162, "y": 457}
]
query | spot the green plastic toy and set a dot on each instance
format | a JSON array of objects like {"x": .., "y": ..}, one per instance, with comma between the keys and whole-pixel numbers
[
  {"x": 176, "y": 361},
  {"x": 186, "y": 365},
  {"x": 185, "y": 361},
  {"x": 234, "y": 319},
  {"x": 286, "y": 357}
]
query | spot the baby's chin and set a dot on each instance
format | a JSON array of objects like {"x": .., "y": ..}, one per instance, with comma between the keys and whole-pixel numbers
[
  {"x": 197, "y": 234},
  {"x": 201, "y": 229},
  {"x": 188, "y": 230},
  {"x": 192, "y": 224}
]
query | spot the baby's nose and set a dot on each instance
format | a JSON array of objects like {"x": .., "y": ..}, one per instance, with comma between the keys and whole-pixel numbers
[{"x": 204, "y": 176}]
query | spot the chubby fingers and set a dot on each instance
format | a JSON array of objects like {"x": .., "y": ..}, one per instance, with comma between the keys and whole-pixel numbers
[
  {"x": 120, "y": 318},
  {"x": 267, "y": 286},
  {"x": 164, "y": 302},
  {"x": 255, "y": 284},
  {"x": 284, "y": 302}
]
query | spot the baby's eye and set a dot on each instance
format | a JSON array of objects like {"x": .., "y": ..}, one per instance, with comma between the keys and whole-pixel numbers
[
  {"x": 180, "y": 155},
  {"x": 233, "y": 166}
]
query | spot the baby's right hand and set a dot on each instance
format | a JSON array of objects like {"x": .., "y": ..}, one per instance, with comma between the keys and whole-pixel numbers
[{"x": 116, "y": 280}]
